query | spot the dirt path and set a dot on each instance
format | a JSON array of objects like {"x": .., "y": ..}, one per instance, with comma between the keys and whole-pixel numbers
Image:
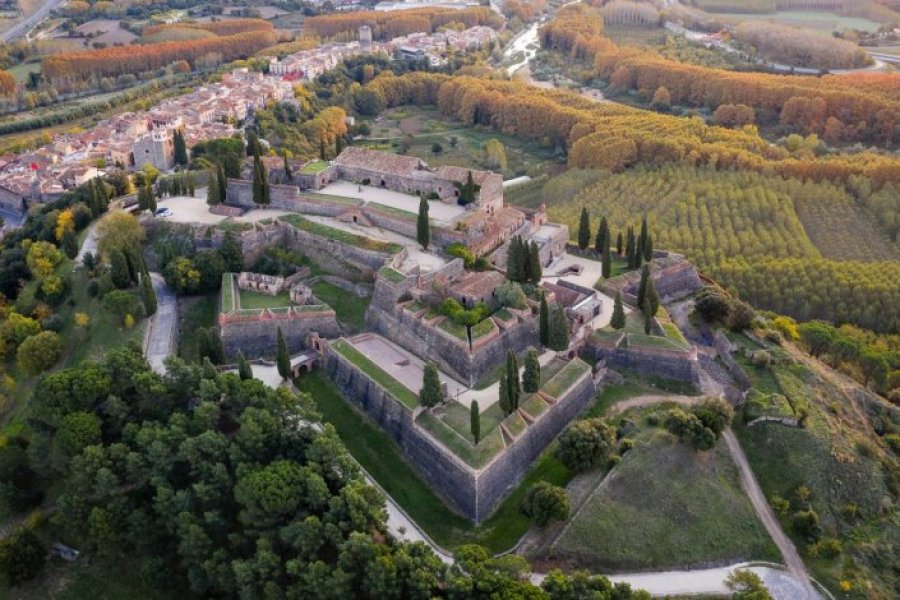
[
  {"x": 650, "y": 400},
  {"x": 769, "y": 520}
]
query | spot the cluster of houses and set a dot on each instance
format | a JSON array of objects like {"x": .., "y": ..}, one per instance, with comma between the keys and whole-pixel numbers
[
  {"x": 309, "y": 64},
  {"x": 134, "y": 139}
]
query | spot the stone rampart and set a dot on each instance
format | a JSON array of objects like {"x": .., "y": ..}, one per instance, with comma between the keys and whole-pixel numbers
[
  {"x": 255, "y": 332},
  {"x": 655, "y": 362},
  {"x": 474, "y": 493}
]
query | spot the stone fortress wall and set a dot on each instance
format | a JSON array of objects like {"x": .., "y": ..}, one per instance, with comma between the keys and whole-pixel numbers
[
  {"x": 681, "y": 365},
  {"x": 474, "y": 493}
]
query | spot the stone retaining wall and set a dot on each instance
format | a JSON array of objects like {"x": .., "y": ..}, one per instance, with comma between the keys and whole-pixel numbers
[
  {"x": 682, "y": 366},
  {"x": 256, "y": 336},
  {"x": 474, "y": 493}
]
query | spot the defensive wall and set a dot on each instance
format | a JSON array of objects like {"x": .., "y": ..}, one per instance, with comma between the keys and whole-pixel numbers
[
  {"x": 618, "y": 353},
  {"x": 254, "y": 332},
  {"x": 474, "y": 493}
]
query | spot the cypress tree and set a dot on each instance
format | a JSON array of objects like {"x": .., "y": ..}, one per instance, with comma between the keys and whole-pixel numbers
[
  {"x": 642, "y": 241},
  {"x": 222, "y": 183},
  {"x": 531, "y": 378},
  {"x": 232, "y": 253},
  {"x": 245, "y": 371},
  {"x": 475, "y": 422},
  {"x": 515, "y": 266},
  {"x": 338, "y": 145},
  {"x": 151, "y": 198},
  {"x": 423, "y": 227},
  {"x": 535, "y": 270},
  {"x": 629, "y": 248},
  {"x": 648, "y": 315},
  {"x": 179, "y": 149},
  {"x": 94, "y": 202},
  {"x": 607, "y": 261},
  {"x": 544, "y": 321},
  {"x": 618, "y": 316},
  {"x": 512, "y": 380},
  {"x": 559, "y": 330},
  {"x": 642, "y": 287},
  {"x": 216, "y": 347},
  {"x": 282, "y": 358},
  {"x": 148, "y": 294},
  {"x": 118, "y": 272},
  {"x": 212, "y": 190},
  {"x": 70, "y": 244},
  {"x": 142, "y": 198},
  {"x": 431, "y": 393},
  {"x": 469, "y": 192},
  {"x": 322, "y": 148},
  {"x": 602, "y": 238},
  {"x": 653, "y": 297},
  {"x": 191, "y": 184},
  {"x": 288, "y": 173},
  {"x": 257, "y": 179},
  {"x": 102, "y": 196},
  {"x": 648, "y": 249},
  {"x": 619, "y": 244},
  {"x": 584, "y": 229},
  {"x": 208, "y": 368},
  {"x": 504, "y": 393}
]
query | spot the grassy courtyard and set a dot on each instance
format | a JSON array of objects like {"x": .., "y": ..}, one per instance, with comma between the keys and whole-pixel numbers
[
  {"x": 254, "y": 300},
  {"x": 665, "y": 505},
  {"x": 350, "y": 309}
]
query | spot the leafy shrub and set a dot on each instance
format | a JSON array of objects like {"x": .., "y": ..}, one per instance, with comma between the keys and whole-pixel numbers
[{"x": 545, "y": 503}]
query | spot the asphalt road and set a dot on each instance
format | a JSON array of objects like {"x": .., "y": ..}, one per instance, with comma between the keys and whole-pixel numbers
[
  {"x": 162, "y": 334},
  {"x": 29, "y": 23}
]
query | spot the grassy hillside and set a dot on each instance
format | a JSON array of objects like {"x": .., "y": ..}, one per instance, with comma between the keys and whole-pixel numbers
[
  {"x": 851, "y": 478},
  {"x": 665, "y": 505}
]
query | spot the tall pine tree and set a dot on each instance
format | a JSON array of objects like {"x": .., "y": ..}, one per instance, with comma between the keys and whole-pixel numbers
[
  {"x": 544, "y": 322},
  {"x": 222, "y": 182},
  {"x": 431, "y": 393},
  {"x": 212, "y": 189},
  {"x": 559, "y": 329},
  {"x": 423, "y": 227},
  {"x": 282, "y": 358},
  {"x": 245, "y": 371},
  {"x": 179, "y": 148},
  {"x": 148, "y": 294},
  {"x": 648, "y": 249},
  {"x": 584, "y": 229},
  {"x": 618, "y": 316},
  {"x": 606, "y": 264},
  {"x": 535, "y": 270},
  {"x": 512, "y": 380},
  {"x": 531, "y": 378},
  {"x": 642, "y": 287},
  {"x": 475, "y": 422},
  {"x": 288, "y": 172},
  {"x": 620, "y": 246}
]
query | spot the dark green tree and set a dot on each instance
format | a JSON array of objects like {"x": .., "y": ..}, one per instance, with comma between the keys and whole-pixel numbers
[
  {"x": 288, "y": 172},
  {"x": 544, "y": 322},
  {"x": 338, "y": 145},
  {"x": 606, "y": 264},
  {"x": 642, "y": 240},
  {"x": 618, "y": 316},
  {"x": 620, "y": 244},
  {"x": 94, "y": 202},
  {"x": 22, "y": 556},
  {"x": 212, "y": 189},
  {"x": 191, "y": 184},
  {"x": 151, "y": 198},
  {"x": 148, "y": 294},
  {"x": 423, "y": 226},
  {"x": 586, "y": 444},
  {"x": 282, "y": 359},
  {"x": 245, "y": 371},
  {"x": 69, "y": 244},
  {"x": 503, "y": 393},
  {"x": 535, "y": 270},
  {"x": 545, "y": 503},
  {"x": 515, "y": 266},
  {"x": 531, "y": 378},
  {"x": 232, "y": 253},
  {"x": 468, "y": 192},
  {"x": 630, "y": 250},
  {"x": 584, "y": 229},
  {"x": 431, "y": 393},
  {"x": 322, "y": 155},
  {"x": 602, "y": 236},
  {"x": 559, "y": 329},
  {"x": 642, "y": 286},
  {"x": 648, "y": 249},
  {"x": 512, "y": 380},
  {"x": 475, "y": 422},
  {"x": 180, "y": 148},
  {"x": 118, "y": 269},
  {"x": 652, "y": 296},
  {"x": 222, "y": 183},
  {"x": 648, "y": 315}
]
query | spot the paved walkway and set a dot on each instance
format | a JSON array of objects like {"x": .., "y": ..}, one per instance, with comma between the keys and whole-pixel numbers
[{"x": 161, "y": 338}]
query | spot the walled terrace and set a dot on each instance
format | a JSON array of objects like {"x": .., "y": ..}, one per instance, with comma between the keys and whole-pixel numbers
[
  {"x": 472, "y": 478},
  {"x": 674, "y": 277},
  {"x": 250, "y": 316}
]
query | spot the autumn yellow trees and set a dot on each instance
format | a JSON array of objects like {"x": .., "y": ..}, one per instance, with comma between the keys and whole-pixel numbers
[
  {"x": 66, "y": 70},
  {"x": 386, "y": 25},
  {"x": 7, "y": 84}
]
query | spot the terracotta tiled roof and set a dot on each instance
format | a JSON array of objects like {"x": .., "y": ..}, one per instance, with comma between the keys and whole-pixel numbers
[{"x": 381, "y": 162}]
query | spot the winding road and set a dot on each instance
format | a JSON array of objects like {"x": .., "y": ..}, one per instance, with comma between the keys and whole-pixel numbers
[
  {"x": 30, "y": 22},
  {"x": 162, "y": 332}
]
